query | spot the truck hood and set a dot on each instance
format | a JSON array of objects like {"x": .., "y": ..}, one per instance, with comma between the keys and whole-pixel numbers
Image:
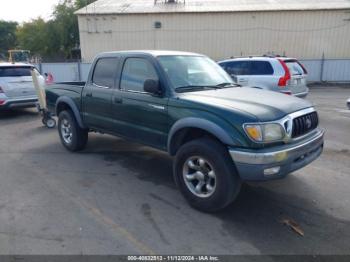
[{"x": 264, "y": 105}]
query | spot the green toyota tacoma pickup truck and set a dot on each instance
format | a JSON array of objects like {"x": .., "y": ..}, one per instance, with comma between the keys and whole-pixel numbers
[{"x": 220, "y": 134}]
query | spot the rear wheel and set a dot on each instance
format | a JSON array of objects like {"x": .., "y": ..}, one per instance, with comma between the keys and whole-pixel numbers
[
  {"x": 72, "y": 136},
  {"x": 206, "y": 175}
]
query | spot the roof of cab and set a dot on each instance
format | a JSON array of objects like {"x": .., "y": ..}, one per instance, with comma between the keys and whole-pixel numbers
[{"x": 154, "y": 53}]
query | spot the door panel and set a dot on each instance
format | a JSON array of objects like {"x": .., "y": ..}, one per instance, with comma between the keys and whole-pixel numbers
[
  {"x": 97, "y": 94},
  {"x": 97, "y": 106},
  {"x": 139, "y": 115},
  {"x": 145, "y": 118}
]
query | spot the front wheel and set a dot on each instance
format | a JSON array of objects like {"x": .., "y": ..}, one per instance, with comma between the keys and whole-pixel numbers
[
  {"x": 72, "y": 136},
  {"x": 206, "y": 175}
]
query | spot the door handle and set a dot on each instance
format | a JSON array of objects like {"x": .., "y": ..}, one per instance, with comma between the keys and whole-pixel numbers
[
  {"x": 118, "y": 100},
  {"x": 89, "y": 94}
]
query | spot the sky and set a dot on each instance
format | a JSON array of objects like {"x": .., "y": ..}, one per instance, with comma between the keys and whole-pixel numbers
[{"x": 25, "y": 10}]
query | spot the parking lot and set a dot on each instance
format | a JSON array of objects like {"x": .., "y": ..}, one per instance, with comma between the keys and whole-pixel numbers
[{"x": 118, "y": 197}]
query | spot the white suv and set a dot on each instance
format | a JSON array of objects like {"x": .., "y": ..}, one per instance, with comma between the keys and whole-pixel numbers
[
  {"x": 280, "y": 74},
  {"x": 16, "y": 86}
]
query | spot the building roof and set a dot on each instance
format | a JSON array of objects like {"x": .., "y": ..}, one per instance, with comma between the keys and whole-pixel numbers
[{"x": 101, "y": 7}]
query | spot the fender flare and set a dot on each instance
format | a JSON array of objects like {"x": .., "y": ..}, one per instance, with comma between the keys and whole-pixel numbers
[
  {"x": 206, "y": 125},
  {"x": 69, "y": 101}
]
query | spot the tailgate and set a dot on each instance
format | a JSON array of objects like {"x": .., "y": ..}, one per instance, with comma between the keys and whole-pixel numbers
[
  {"x": 19, "y": 87},
  {"x": 16, "y": 81},
  {"x": 297, "y": 83}
]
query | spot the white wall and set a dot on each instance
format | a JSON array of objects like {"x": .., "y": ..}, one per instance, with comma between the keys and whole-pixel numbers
[
  {"x": 334, "y": 70},
  {"x": 301, "y": 34}
]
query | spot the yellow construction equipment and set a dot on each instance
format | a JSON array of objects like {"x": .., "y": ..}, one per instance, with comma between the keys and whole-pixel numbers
[{"x": 19, "y": 56}]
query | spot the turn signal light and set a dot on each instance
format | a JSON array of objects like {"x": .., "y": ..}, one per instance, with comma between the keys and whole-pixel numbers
[{"x": 254, "y": 131}]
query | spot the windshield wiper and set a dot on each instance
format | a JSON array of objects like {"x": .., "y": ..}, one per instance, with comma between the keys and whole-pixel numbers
[
  {"x": 226, "y": 84},
  {"x": 194, "y": 87}
]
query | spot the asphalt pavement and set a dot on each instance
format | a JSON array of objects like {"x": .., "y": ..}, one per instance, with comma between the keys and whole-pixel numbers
[{"x": 117, "y": 197}]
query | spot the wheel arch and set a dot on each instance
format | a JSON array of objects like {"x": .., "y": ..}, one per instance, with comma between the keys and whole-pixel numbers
[
  {"x": 64, "y": 103},
  {"x": 190, "y": 128}
]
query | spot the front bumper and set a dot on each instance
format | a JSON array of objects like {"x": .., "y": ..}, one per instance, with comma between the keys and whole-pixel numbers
[
  {"x": 256, "y": 165},
  {"x": 19, "y": 103}
]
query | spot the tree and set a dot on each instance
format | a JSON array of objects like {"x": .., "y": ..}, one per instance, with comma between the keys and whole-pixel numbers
[
  {"x": 67, "y": 24},
  {"x": 82, "y": 3},
  {"x": 7, "y": 36},
  {"x": 33, "y": 36},
  {"x": 54, "y": 39}
]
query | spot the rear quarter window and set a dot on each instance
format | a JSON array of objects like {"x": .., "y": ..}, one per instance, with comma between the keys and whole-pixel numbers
[{"x": 15, "y": 71}]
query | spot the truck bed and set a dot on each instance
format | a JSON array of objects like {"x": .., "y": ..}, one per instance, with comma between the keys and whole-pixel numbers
[{"x": 69, "y": 89}]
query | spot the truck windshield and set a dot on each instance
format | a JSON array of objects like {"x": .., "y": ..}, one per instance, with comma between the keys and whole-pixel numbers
[{"x": 194, "y": 72}]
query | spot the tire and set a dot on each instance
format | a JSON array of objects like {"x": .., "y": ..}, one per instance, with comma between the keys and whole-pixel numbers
[
  {"x": 50, "y": 123},
  {"x": 208, "y": 155},
  {"x": 72, "y": 136}
]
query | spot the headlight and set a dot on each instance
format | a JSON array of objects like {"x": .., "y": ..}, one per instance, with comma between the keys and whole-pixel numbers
[{"x": 264, "y": 132}]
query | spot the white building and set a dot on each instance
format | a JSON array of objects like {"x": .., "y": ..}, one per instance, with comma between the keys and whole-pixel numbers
[{"x": 305, "y": 29}]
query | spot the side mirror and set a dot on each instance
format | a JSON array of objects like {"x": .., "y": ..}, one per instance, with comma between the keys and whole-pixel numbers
[{"x": 152, "y": 86}]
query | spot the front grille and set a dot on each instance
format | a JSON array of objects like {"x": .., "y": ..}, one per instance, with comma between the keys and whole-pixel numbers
[{"x": 304, "y": 124}]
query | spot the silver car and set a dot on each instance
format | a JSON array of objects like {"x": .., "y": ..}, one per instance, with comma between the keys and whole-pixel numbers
[
  {"x": 280, "y": 74},
  {"x": 16, "y": 86}
]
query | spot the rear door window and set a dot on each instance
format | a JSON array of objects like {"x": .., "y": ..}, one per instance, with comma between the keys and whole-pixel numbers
[
  {"x": 260, "y": 68},
  {"x": 15, "y": 71},
  {"x": 104, "y": 72}
]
